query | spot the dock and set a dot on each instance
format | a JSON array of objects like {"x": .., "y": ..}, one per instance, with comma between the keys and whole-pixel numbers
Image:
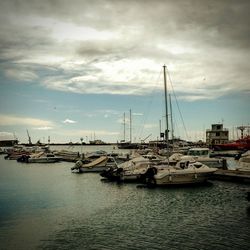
[{"x": 232, "y": 175}]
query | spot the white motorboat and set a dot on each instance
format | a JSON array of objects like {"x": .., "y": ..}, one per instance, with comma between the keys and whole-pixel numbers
[
  {"x": 131, "y": 170},
  {"x": 39, "y": 158},
  {"x": 203, "y": 155},
  {"x": 244, "y": 161},
  {"x": 184, "y": 172},
  {"x": 67, "y": 155},
  {"x": 97, "y": 165}
]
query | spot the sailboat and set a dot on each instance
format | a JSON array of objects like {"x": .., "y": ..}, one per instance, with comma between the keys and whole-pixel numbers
[
  {"x": 127, "y": 144},
  {"x": 186, "y": 171}
]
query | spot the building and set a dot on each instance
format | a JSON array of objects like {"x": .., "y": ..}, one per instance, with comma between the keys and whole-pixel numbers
[
  {"x": 217, "y": 135},
  {"x": 8, "y": 143}
]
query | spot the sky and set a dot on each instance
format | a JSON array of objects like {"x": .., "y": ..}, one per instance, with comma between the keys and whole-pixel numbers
[{"x": 70, "y": 70}]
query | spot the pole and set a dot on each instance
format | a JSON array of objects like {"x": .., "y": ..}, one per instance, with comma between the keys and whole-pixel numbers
[
  {"x": 160, "y": 128},
  {"x": 171, "y": 118},
  {"x": 166, "y": 104},
  {"x": 130, "y": 118},
  {"x": 124, "y": 127}
]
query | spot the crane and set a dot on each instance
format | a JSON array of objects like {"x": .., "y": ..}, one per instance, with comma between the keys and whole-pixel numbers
[
  {"x": 142, "y": 141},
  {"x": 29, "y": 137}
]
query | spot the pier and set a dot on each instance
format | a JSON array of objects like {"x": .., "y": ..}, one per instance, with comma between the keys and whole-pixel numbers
[{"x": 232, "y": 175}]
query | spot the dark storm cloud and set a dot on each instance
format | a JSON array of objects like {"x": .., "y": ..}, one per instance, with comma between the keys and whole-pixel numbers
[{"x": 200, "y": 38}]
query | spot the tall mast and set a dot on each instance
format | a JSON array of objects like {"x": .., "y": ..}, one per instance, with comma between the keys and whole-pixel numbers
[
  {"x": 124, "y": 127},
  {"x": 160, "y": 127},
  {"x": 130, "y": 119},
  {"x": 166, "y": 103},
  {"x": 171, "y": 119}
]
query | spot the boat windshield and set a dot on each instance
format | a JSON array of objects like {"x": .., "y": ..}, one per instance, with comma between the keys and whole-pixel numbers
[{"x": 198, "y": 152}]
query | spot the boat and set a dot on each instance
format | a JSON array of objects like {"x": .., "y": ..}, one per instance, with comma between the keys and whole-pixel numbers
[
  {"x": 183, "y": 173},
  {"x": 41, "y": 157},
  {"x": 123, "y": 144},
  {"x": 244, "y": 161},
  {"x": 69, "y": 156},
  {"x": 96, "y": 166},
  {"x": 240, "y": 144},
  {"x": 203, "y": 155},
  {"x": 18, "y": 151},
  {"x": 131, "y": 171},
  {"x": 127, "y": 145},
  {"x": 98, "y": 142}
]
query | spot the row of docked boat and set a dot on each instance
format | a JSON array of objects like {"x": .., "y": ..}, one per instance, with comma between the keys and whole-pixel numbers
[
  {"x": 157, "y": 171},
  {"x": 154, "y": 169},
  {"x": 34, "y": 154},
  {"x": 37, "y": 154}
]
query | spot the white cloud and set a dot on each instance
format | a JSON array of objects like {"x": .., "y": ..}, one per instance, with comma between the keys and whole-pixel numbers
[
  {"x": 6, "y": 136},
  {"x": 150, "y": 126},
  {"x": 79, "y": 133},
  {"x": 69, "y": 121},
  {"x": 21, "y": 74},
  {"x": 9, "y": 120},
  {"x": 81, "y": 49},
  {"x": 44, "y": 128},
  {"x": 137, "y": 114}
]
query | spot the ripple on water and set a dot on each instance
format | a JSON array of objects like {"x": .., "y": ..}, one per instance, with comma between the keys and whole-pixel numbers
[{"x": 47, "y": 207}]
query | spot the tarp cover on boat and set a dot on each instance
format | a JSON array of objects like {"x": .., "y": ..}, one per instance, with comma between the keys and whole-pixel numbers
[{"x": 96, "y": 162}]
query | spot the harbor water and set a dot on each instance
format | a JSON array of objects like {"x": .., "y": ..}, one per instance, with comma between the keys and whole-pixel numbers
[{"x": 45, "y": 206}]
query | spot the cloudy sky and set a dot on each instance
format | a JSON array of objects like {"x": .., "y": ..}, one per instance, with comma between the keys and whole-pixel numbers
[{"x": 70, "y": 69}]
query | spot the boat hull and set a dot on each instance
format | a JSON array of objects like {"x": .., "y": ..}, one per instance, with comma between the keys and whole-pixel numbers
[
  {"x": 44, "y": 160},
  {"x": 96, "y": 169},
  {"x": 97, "y": 166},
  {"x": 183, "y": 179}
]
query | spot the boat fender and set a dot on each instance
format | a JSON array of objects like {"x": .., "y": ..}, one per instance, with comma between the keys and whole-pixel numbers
[
  {"x": 27, "y": 158},
  {"x": 170, "y": 178},
  {"x": 78, "y": 164},
  {"x": 154, "y": 170},
  {"x": 224, "y": 164},
  {"x": 195, "y": 176},
  {"x": 119, "y": 170},
  {"x": 151, "y": 182}
]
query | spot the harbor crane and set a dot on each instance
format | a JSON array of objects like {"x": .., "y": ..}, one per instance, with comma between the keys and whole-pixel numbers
[
  {"x": 29, "y": 137},
  {"x": 142, "y": 141}
]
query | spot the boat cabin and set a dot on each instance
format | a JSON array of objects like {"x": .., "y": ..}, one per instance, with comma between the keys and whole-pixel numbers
[{"x": 198, "y": 152}]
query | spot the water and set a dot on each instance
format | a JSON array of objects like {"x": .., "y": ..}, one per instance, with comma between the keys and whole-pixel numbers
[{"x": 48, "y": 207}]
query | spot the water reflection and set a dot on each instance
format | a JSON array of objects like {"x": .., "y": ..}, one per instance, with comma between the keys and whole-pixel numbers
[{"x": 48, "y": 207}]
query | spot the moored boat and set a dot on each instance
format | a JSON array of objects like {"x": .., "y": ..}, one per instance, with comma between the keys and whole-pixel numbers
[
  {"x": 97, "y": 165},
  {"x": 244, "y": 161},
  {"x": 67, "y": 155},
  {"x": 203, "y": 155},
  {"x": 241, "y": 144},
  {"x": 41, "y": 157},
  {"x": 131, "y": 170},
  {"x": 184, "y": 172}
]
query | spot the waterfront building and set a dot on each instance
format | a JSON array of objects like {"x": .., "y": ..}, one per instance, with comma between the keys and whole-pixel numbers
[
  {"x": 217, "y": 135},
  {"x": 8, "y": 143}
]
